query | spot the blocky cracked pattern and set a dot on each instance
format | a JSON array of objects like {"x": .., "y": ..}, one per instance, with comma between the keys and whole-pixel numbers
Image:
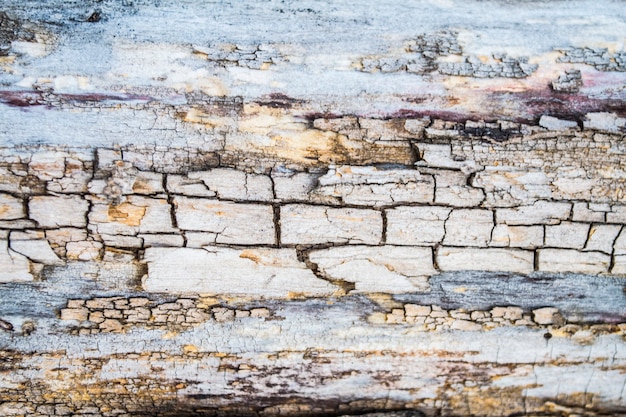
[
  {"x": 259, "y": 57},
  {"x": 599, "y": 58},
  {"x": 542, "y": 200},
  {"x": 422, "y": 55},
  {"x": 116, "y": 314},
  {"x": 434, "y": 318}
]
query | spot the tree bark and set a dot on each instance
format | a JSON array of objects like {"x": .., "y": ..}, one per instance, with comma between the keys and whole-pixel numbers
[{"x": 312, "y": 208}]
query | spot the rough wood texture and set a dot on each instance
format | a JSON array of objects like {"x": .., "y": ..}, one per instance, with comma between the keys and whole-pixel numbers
[{"x": 312, "y": 208}]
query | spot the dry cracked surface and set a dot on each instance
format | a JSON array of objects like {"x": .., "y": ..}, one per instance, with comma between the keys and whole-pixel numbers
[
  {"x": 218, "y": 289},
  {"x": 312, "y": 208},
  {"x": 541, "y": 201}
]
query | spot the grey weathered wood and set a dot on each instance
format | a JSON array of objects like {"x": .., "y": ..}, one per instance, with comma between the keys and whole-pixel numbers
[{"x": 312, "y": 208}]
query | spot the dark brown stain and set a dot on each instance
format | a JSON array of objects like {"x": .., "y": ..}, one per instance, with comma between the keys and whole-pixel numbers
[
  {"x": 532, "y": 103},
  {"x": 94, "y": 17},
  {"x": 279, "y": 101},
  {"x": 562, "y": 105},
  {"x": 27, "y": 98},
  {"x": 449, "y": 116},
  {"x": 310, "y": 117},
  {"x": 496, "y": 134},
  {"x": 21, "y": 98},
  {"x": 417, "y": 99}
]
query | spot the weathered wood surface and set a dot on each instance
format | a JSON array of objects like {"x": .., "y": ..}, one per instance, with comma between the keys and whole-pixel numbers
[{"x": 312, "y": 208}]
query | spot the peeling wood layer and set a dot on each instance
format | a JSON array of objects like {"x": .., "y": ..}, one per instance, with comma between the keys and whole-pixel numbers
[{"x": 311, "y": 209}]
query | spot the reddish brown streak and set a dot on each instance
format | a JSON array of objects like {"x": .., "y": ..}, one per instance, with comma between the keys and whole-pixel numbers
[{"x": 534, "y": 103}]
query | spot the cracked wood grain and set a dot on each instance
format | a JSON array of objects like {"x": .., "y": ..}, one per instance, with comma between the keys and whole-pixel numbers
[{"x": 312, "y": 208}]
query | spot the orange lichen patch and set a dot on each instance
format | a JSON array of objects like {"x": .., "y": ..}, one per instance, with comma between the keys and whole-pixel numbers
[
  {"x": 213, "y": 206},
  {"x": 297, "y": 295},
  {"x": 200, "y": 54},
  {"x": 142, "y": 186},
  {"x": 386, "y": 301},
  {"x": 207, "y": 301},
  {"x": 257, "y": 118},
  {"x": 5, "y": 63},
  {"x": 190, "y": 349},
  {"x": 209, "y": 120},
  {"x": 10, "y": 207},
  {"x": 262, "y": 256},
  {"x": 250, "y": 254},
  {"x": 127, "y": 214},
  {"x": 73, "y": 165}
]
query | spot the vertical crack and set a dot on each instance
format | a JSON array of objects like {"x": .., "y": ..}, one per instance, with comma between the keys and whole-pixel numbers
[
  {"x": 273, "y": 185},
  {"x": 435, "y": 188},
  {"x": 589, "y": 234},
  {"x": 277, "y": 230},
  {"x": 469, "y": 181},
  {"x": 445, "y": 229},
  {"x": 94, "y": 237},
  {"x": 536, "y": 260},
  {"x": 383, "y": 239},
  {"x": 245, "y": 186},
  {"x": 587, "y": 386},
  {"x": 433, "y": 254},
  {"x": 621, "y": 397},
  {"x": 570, "y": 216},
  {"x": 26, "y": 208},
  {"x": 493, "y": 227},
  {"x": 172, "y": 203},
  {"x": 612, "y": 261}
]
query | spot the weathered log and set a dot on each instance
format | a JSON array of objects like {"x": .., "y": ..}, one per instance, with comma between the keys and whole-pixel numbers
[{"x": 312, "y": 208}]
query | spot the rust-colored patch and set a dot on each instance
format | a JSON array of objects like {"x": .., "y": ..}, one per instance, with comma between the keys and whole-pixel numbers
[
  {"x": 142, "y": 186},
  {"x": 210, "y": 118},
  {"x": 126, "y": 213},
  {"x": 73, "y": 166},
  {"x": 536, "y": 102},
  {"x": 297, "y": 295},
  {"x": 252, "y": 255},
  {"x": 190, "y": 349}
]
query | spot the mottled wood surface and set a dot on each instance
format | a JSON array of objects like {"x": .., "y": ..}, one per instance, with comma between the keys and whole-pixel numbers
[{"x": 312, "y": 208}]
